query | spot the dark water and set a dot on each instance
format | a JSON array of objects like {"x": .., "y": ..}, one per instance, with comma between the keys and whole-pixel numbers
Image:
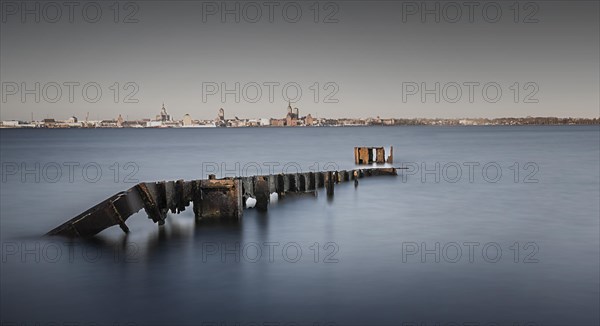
[{"x": 520, "y": 248}]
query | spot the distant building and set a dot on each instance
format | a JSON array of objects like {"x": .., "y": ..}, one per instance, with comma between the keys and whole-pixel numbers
[
  {"x": 120, "y": 121},
  {"x": 252, "y": 123},
  {"x": 187, "y": 120},
  {"x": 277, "y": 122},
  {"x": 163, "y": 116},
  {"x": 72, "y": 120},
  {"x": 291, "y": 119},
  {"x": 153, "y": 124},
  {"x": 309, "y": 120},
  {"x": 108, "y": 124},
  {"x": 49, "y": 123},
  {"x": 10, "y": 123},
  {"x": 220, "y": 120}
]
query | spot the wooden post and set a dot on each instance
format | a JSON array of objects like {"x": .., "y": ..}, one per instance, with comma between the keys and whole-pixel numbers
[
  {"x": 329, "y": 183},
  {"x": 380, "y": 155},
  {"x": 366, "y": 155},
  {"x": 261, "y": 191}
]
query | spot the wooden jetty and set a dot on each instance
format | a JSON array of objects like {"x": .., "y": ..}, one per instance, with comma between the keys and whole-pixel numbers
[{"x": 212, "y": 198}]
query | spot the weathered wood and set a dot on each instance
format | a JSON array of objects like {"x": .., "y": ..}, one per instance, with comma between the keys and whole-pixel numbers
[
  {"x": 345, "y": 175},
  {"x": 212, "y": 198},
  {"x": 220, "y": 199},
  {"x": 272, "y": 180},
  {"x": 180, "y": 197},
  {"x": 364, "y": 155},
  {"x": 197, "y": 198},
  {"x": 292, "y": 186},
  {"x": 320, "y": 179},
  {"x": 261, "y": 190},
  {"x": 380, "y": 155},
  {"x": 149, "y": 196},
  {"x": 329, "y": 182},
  {"x": 310, "y": 181},
  {"x": 301, "y": 178},
  {"x": 383, "y": 171},
  {"x": 112, "y": 211},
  {"x": 286, "y": 184},
  {"x": 248, "y": 187},
  {"x": 171, "y": 202},
  {"x": 280, "y": 184}
]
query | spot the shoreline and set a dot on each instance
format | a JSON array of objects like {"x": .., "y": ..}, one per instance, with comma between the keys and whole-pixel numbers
[{"x": 303, "y": 127}]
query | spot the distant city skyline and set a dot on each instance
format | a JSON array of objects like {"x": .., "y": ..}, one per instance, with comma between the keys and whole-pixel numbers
[
  {"x": 165, "y": 116},
  {"x": 360, "y": 59},
  {"x": 293, "y": 118}
]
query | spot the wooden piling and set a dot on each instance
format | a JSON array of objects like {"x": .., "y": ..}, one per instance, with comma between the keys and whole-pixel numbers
[
  {"x": 292, "y": 183},
  {"x": 261, "y": 190},
  {"x": 320, "y": 179},
  {"x": 329, "y": 182},
  {"x": 310, "y": 181},
  {"x": 301, "y": 182},
  {"x": 280, "y": 184}
]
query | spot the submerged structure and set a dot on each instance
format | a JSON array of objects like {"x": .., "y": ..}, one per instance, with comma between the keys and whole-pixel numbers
[
  {"x": 212, "y": 198},
  {"x": 370, "y": 155}
]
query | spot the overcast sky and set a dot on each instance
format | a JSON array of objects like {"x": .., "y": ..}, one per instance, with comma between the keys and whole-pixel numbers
[{"x": 365, "y": 58}]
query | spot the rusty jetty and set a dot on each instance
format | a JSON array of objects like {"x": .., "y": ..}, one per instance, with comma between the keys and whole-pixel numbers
[
  {"x": 370, "y": 155},
  {"x": 212, "y": 198}
]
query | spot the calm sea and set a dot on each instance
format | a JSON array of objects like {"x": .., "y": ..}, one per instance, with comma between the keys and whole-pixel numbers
[{"x": 487, "y": 225}]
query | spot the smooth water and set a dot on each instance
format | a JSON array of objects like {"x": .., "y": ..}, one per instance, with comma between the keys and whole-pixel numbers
[{"x": 456, "y": 244}]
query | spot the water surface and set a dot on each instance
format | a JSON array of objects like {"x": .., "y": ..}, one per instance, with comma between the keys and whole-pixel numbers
[{"x": 517, "y": 248}]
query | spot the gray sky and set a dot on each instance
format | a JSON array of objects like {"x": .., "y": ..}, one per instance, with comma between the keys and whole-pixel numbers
[{"x": 371, "y": 58}]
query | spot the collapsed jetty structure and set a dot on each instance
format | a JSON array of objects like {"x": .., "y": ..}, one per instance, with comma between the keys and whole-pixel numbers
[
  {"x": 212, "y": 198},
  {"x": 370, "y": 155}
]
